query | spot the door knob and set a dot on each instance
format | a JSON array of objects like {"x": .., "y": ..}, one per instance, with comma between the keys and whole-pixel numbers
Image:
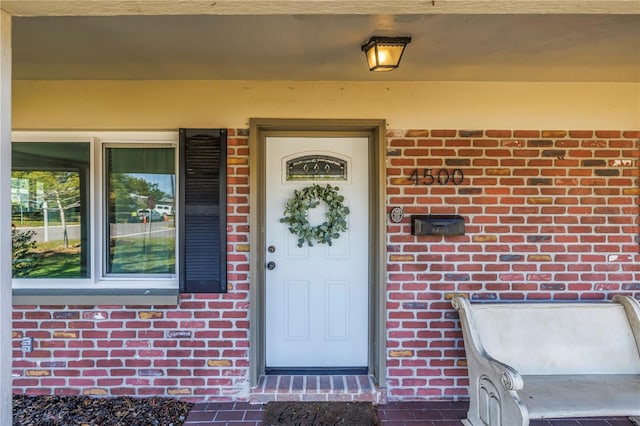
[
  {"x": 271, "y": 249},
  {"x": 271, "y": 266}
]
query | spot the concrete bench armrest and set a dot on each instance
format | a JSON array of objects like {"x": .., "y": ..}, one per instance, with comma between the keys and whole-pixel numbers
[
  {"x": 505, "y": 374},
  {"x": 632, "y": 309}
]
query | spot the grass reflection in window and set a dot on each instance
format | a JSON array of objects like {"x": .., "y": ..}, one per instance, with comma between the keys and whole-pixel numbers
[
  {"x": 141, "y": 238},
  {"x": 49, "y": 210}
]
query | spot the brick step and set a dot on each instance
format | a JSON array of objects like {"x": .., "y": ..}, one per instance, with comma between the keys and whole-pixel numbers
[{"x": 317, "y": 388}]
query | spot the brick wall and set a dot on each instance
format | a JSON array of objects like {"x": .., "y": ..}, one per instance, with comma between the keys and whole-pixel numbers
[{"x": 550, "y": 215}]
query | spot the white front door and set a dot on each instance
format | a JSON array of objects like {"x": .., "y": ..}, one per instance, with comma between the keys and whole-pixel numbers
[{"x": 317, "y": 298}]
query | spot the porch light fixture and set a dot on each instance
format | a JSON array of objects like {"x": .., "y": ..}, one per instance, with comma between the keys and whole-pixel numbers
[{"x": 384, "y": 53}]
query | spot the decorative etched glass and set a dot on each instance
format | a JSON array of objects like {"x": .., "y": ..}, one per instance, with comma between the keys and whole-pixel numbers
[{"x": 316, "y": 167}]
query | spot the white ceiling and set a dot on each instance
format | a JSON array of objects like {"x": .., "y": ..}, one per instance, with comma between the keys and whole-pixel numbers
[{"x": 564, "y": 47}]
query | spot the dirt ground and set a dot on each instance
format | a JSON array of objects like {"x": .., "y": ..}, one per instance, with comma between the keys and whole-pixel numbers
[{"x": 321, "y": 414}]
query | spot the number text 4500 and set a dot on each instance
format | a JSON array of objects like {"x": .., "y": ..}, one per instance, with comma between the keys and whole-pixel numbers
[{"x": 433, "y": 176}]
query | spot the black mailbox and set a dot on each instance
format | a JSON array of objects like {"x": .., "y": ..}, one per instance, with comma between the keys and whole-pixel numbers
[{"x": 437, "y": 224}]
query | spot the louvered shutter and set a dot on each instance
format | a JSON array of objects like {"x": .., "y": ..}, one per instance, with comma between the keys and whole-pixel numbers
[{"x": 203, "y": 210}]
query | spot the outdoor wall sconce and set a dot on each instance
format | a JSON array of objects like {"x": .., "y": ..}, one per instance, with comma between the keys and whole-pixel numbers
[{"x": 384, "y": 53}]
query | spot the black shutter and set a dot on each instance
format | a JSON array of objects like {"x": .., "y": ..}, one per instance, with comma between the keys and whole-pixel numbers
[{"x": 203, "y": 210}]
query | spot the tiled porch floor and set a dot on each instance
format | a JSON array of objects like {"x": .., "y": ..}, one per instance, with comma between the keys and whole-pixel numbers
[{"x": 391, "y": 414}]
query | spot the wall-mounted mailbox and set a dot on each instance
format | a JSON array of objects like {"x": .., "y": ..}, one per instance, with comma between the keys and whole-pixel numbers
[{"x": 437, "y": 224}]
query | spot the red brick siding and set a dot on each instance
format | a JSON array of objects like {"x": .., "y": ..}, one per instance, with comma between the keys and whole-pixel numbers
[{"x": 550, "y": 215}]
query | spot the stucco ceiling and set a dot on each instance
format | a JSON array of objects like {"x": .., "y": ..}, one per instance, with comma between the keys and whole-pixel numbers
[{"x": 563, "y": 47}]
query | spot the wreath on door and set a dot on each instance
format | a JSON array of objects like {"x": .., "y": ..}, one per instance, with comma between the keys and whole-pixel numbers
[{"x": 296, "y": 214}]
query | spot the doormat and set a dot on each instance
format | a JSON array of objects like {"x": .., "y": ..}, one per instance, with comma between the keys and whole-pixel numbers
[{"x": 295, "y": 413}]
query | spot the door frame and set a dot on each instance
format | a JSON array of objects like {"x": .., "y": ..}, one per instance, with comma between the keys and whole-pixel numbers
[{"x": 375, "y": 131}]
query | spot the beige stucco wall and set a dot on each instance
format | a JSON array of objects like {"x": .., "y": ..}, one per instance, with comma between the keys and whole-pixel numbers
[{"x": 405, "y": 105}]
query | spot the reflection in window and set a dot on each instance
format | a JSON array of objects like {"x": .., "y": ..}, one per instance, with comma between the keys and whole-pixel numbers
[
  {"x": 141, "y": 237},
  {"x": 50, "y": 210}
]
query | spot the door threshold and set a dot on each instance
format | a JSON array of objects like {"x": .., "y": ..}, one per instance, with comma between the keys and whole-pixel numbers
[
  {"x": 316, "y": 371},
  {"x": 315, "y": 387}
]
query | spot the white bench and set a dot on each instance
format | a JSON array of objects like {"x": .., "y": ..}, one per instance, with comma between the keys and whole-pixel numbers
[{"x": 551, "y": 360}]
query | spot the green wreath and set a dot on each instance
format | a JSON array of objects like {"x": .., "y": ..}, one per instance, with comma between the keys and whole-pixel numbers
[{"x": 295, "y": 214}]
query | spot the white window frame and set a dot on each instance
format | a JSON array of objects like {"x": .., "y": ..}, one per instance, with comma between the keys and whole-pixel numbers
[{"x": 101, "y": 288}]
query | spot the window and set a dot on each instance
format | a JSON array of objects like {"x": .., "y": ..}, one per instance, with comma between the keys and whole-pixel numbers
[
  {"x": 86, "y": 223},
  {"x": 141, "y": 238},
  {"x": 118, "y": 217},
  {"x": 50, "y": 210}
]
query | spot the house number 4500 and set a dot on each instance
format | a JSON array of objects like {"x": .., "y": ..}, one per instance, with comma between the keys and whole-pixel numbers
[{"x": 441, "y": 176}]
